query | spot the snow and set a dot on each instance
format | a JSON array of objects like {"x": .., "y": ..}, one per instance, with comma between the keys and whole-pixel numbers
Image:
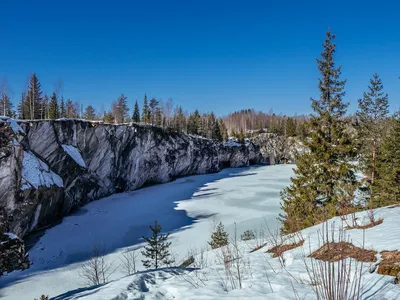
[
  {"x": 188, "y": 208},
  {"x": 75, "y": 154},
  {"x": 36, "y": 172},
  {"x": 232, "y": 144},
  {"x": 13, "y": 124}
]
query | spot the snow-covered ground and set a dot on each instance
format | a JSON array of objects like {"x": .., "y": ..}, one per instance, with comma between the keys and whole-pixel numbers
[{"x": 187, "y": 207}]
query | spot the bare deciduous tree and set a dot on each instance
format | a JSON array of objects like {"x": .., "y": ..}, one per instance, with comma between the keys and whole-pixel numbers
[
  {"x": 128, "y": 260},
  {"x": 97, "y": 270}
]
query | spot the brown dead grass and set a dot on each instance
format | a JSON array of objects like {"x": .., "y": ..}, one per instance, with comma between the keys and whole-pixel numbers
[
  {"x": 278, "y": 250},
  {"x": 366, "y": 226},
  {"x": 337, "y": 251},
  {"x": 390, "y": 264}
]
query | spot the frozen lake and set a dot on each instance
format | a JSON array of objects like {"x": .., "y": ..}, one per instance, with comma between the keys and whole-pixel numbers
[{"x": 187, "y": 207}]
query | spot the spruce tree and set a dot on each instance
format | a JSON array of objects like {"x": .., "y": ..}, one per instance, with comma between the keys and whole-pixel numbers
[
  {"x": 71, "y": 109},
  {"x": 90, "y": 113},
  {"x": 136, "y": 113},
  {"x": 157, "y": 249},
  {"x": 386, "y": 189},
  {"x": 21, "y": 107},
  {"x": 62, "y": 108},
  {"x": 34, "y": 98},
  {"x": 6, "y": 106},
  {"x": 145, "y": 111},
  {"x": 53, "y": 107},
  {"x": 153, "y": 106},
  {"x": 120, "y": 109},
  {"x": 371, "y": 115},
  {"x": 219, "y": 237},
  {"x": 324, "y": 180}
]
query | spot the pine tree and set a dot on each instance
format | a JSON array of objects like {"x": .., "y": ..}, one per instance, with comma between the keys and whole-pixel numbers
[
  {"x": 71, "y": 109},
  {"x": 386, "y": 189},
  {"x": 90, "y": 113},
  {"x": 324, "y": 180},
  {"x": 34, "y": 98},
  {"x": 21, "y": 107},
  {"x": 290, "y": 127},
  {"x": 219, "y": 237},
  {"x": 145, "y": 111},
  {"x": 62, "y": 108},
  {"x": 6, "y": 106},
  {"x": 159, "y": 116},
  {"x": 372, "y": 112},
  {"x": 120, "y": 109},
  {"x": 157, "y": 249},
  {"x": 136, "y": 113},
  {"x": 45, "y": 104},
  {"x": 108, "y": 117},
  {"x": 53, "y": 107},
  {"x": 153, "y": 110},
  {"x": 224, "y": 130}
]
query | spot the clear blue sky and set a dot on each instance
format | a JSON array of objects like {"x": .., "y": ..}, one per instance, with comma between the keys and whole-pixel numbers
[{"x": 210, "y": 55}]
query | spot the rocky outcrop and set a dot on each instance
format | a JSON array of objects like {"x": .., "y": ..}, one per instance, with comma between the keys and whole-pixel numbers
[
  {"x": 277, "y": 149},
  {"x": 48, "y": 168},
  {"x": 12, "y": 253}
]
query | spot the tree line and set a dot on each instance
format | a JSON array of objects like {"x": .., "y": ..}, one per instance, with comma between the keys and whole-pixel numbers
[
  {"x": 250, "y": 121},
  {"x": 324, "y": 184}
]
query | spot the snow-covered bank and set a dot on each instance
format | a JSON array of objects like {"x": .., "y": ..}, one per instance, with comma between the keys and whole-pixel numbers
[{"x": 187, "y": 207}]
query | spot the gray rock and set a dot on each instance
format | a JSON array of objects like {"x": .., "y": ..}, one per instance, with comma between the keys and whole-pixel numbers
[{"x": 116, "y": 158}]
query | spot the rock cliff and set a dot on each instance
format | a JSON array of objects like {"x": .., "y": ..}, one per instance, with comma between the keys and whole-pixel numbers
[{"x": 48, "y": 168}]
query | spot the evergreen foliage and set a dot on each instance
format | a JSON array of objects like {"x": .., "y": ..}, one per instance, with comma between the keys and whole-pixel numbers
[
  {"x": 145, "y": 111},
  {"x": 6, "y": 106},
  {"x": 219, "y": 237},
  {"x": 371, "y": 115},
  {"x": 136, "y": 113},
  {"x": 90, "y": 113},
  {"x": 386, "y": 189},
  {"x": 34, "y": 99},
  {"x": 247, "y": 235},
  {"x": 62, "y": 108},
  {"x": 157, "y": 249},
  {"x": 53, "y": 107},
  {"x": 324, "y": 180}
]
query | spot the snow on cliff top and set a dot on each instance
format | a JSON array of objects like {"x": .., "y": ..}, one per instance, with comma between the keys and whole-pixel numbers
[
  {"x": 13, "y": 124},
  {"x": 75, "y": 154},
  {"x": 36, "y": 172}
]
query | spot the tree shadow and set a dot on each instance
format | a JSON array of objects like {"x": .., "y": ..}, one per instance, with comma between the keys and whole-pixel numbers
[{"x": 118, "y": 221}]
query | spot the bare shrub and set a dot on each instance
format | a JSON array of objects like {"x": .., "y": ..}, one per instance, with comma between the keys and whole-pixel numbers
[
  {"x": 97, "y": 270},
  {"x": 339, "y": 279},
  {"x": 128, "y": 261}
]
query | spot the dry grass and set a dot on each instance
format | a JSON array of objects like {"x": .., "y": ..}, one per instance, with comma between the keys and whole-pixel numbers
[
  {"x": 257, "y": 248},
  {"x": 366, "y": 226},
  {"x": 333, "y": 252},
  {"x": 278, "y": 250},
  {"x": 390, "y": 264}
]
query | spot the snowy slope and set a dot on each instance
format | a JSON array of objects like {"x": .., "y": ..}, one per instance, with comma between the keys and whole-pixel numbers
[
  {"x": 265, "y": 278},
  {"x": 186, "y": 207}
]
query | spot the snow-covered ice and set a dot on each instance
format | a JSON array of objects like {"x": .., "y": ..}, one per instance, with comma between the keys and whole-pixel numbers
[
  {"x": 36, "y": 172},
  {"x": 75, "y": 154},
  {"x": 188, "y": 208}
]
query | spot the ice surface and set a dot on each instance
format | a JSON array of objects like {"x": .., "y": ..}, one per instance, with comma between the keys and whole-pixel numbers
[
  {"x": 75, "y": 154},
  {"x": 36, "y": 172},
  {"x": 232, "y": 144}
]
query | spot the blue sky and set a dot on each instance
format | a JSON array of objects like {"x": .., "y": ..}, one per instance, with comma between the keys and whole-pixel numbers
[{"x": 210, "y": 55}]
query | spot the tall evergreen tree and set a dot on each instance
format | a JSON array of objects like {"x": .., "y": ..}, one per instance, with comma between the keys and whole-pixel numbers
[
  {"x": 324, "y": 180},
  {"x": 34, "y": 98},
  {"x": 21, "y": 107},
  {"x": 120, "y": 109},
  {"x": 62, "y": 108},
  {"x": 90, "y": 113},
  {"x": 6, "y": 106},
  {"x": 53, "y": 107},
  {"x": 153, "y": 106},
  {"x": 136, "y": 113},
  {"x": 71, "y": 110},
  {"x": 145, "y": 111},
  {"x": 386, "y": 189},
  {"x": 373, "y": 110},
  {"x": 157, "y": 249}
]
